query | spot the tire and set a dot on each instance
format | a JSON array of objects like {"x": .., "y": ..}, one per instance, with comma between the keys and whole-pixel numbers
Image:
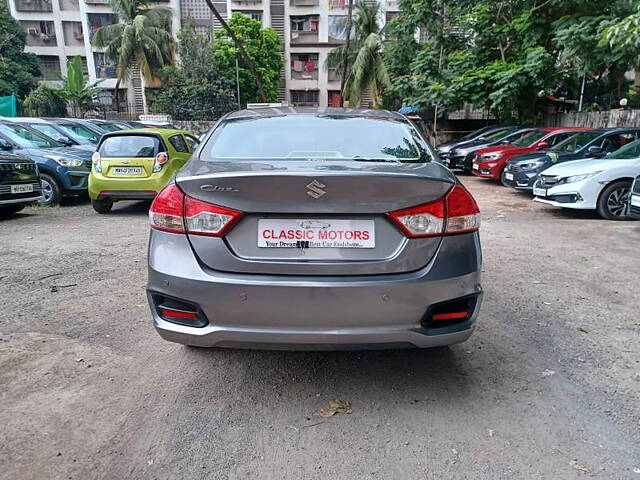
[
  {"x": 10, "y": 210},
  {"x": 102, "y": 206},
  {"x": 613, "y": 201},
  {"x": 51, "y": 192}
]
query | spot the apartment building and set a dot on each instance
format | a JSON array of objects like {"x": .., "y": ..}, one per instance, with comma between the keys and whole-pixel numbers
[
  {"x": 309, "y": 29},
  {"x": 60, "y": 29}
]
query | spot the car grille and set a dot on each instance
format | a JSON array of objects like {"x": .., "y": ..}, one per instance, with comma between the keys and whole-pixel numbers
[
  {"x": 88, "y": 164},
  {"x": 549, "y": 179},
  {"x": 21, "y": 167},
  {"x": 5, "y": 192}
]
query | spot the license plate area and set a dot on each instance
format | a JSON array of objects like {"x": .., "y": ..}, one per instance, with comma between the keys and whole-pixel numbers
[
  {"x": 126, "y": 170},
  {"x": 314, "y": 234},
  {"x": 635, "y": 200},
  {"x": 539, "y": 192},
  {"x": 26, "y": 188},
  {"x": 508, "y": 176}
]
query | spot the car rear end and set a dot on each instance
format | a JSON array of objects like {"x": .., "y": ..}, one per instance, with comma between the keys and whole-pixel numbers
[
  {"x": 19, "y": 182},
  {"x": 313, "y": 253},
  {"x": 130, "y": 165}
]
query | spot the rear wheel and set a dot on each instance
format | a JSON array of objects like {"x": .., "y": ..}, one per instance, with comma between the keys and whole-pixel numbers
[
  {"x": 613, "y": 203},
  {"x": 102, "y": 206},
  {"x": 51, "y": 192}
]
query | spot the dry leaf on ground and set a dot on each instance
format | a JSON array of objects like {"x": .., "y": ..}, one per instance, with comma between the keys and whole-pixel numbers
[{"x": 335, "y": 406}]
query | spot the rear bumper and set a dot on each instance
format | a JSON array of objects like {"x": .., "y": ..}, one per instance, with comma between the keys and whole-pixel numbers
[
  {"x": 116, "y": 195},
  {"x": 101, "y": 187},
  {"x": 310, "y": 313}
]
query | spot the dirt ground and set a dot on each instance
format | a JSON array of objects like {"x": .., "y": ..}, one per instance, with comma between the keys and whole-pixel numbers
[{"x": 547, "y": 388}]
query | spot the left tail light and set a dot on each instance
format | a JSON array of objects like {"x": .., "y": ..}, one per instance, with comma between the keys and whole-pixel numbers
[
  {"x": 456, "y": 212},
  {"x": 161, "y": 159},
  {"x": 173, "y": 211}
]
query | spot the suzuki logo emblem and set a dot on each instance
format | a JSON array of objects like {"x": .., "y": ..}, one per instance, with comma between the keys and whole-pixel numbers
[{"x": 316, "y": 189}]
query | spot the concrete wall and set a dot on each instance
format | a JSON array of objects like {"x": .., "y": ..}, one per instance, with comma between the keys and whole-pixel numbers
[
  {"x": 194, "y": 126},
  {"x": 607, "y": 118}
]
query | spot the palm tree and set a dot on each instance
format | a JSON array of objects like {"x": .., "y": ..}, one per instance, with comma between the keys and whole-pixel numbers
[
  {"x": 365, "y": 66},
  {"x": 141, "y": 38}
]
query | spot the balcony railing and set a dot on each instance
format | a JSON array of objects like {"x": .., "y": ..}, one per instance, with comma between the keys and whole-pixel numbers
[
  {"x": 303, "y": 37},
  {"x": 33, "y": 6},
  {"x": 303, "y": 3}
]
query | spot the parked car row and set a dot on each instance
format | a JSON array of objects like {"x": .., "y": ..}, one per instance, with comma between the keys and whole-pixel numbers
[
  {"x": 578, "y": 168},
  {"x": 60, "y": 151}
]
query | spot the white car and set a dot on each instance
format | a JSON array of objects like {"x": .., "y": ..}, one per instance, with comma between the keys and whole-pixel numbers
[{"x": 593, "y": 184}]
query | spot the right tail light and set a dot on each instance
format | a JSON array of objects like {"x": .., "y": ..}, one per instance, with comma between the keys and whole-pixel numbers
[
  {"x": 173, "y": 211},
  {"x": 456, "y": 212}
]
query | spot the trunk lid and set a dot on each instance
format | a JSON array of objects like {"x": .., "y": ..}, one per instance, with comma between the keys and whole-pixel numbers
[{"x": 322, "y": 196}]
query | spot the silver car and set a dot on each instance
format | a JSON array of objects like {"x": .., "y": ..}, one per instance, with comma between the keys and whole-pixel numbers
[{"x": 314, "y": 229}]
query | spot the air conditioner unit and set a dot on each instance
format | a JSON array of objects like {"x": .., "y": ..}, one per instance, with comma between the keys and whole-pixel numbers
[
  {"x": 44, "y": 37},
  {"x": 33, "y": 31}
]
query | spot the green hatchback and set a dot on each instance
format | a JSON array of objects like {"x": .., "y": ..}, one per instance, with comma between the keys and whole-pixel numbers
[{"x": 136, "y": 164}]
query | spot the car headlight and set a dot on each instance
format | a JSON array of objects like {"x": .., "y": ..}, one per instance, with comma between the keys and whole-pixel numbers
[
  {"x": 531, "y": 165},
  {"x": 491, "y": 156},
  {"x": 579, "y": 178},
  {"x": 66, "y": 162}
]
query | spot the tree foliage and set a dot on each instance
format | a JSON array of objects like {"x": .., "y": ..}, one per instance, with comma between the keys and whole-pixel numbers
[
  {"x": 504, "y": 54},
  {"x": 365, "y": 66},
  {"x": 18, "y": 70},
  {"x": 262, "y": 45},
  {"x": 79, "y": 94},
  {"x": 141, "y": 37},
  {"x": 44, "y": 101},
  {"x": 195, "y": 89}
]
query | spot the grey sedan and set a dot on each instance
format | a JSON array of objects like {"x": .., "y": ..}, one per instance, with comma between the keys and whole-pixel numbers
[{"x": 314, "y": 229}]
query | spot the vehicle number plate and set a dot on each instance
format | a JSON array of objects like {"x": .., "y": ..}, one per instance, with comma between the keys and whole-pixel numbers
[
  {"x": 316, "y": 233},
  {"x": 540, "y": 192},
  {"x": 21, "y": 188},
  {"x": 475, "y": 166},
  {"x": 126, "y": 170},
  {"x": 635, "y": 200},
  {"x": 508, "y": 176}
]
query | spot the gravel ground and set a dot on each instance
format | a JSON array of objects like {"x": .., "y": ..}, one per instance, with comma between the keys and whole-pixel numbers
[{"x": 548, "y": 386}]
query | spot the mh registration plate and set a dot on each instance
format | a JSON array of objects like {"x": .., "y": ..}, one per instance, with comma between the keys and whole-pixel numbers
[
  {"x": 316, "y": 233},
  {"x": 635, "y": 200},
  {"x": 540, "y": 192},
  {"x": 22, "y": 188},
  {"x": 475, "y": 166},
  {"x": 508, "y": 176},
  {"x": 126, "y": 170}
]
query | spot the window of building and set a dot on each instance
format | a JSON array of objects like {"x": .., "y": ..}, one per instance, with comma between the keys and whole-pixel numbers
[
  {"x": 304, "y": 28},
  {"x": 105, "y": 68},
  {"x": 334, "y": 98},
  {"x": 255, "y": 14},
  {"x": 304, "y": 98},
  {"x": 34, "y": 6},
  {"x": 338, "y": 28},
  {"x": 304, "y": 66},
  {"x": 40, "y": 33},
  {"x": 49, "y": 66},
  {"x": 73, "y": 35},
  {"x": 97, "y": 20}
]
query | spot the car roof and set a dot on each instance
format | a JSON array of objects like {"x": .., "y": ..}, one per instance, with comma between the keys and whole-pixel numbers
[
  {"x": 266, "y": 112},
  {"x": 147, "y": 131}
]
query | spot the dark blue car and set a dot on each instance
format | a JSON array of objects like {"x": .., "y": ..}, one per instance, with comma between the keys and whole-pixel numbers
[
  {"x": 63, "y": 170},
  {"x": 522, "y": 171}
]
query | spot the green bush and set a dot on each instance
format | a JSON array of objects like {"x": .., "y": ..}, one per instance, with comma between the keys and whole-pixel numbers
[{"x": 44, "y": 102}]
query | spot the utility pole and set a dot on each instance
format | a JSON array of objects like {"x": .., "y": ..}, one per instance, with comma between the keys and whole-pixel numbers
[
  {"x": 345, "y": 53},
  {"x": 245, "y": 58}
]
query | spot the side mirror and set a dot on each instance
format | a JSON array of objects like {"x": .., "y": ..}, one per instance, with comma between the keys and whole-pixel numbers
[
  {"x": 66, "y": 141},
  {"x": 4, "y": 145},
  {"x": 543, "y": 146},
  {"x": 594, "y": 150}
]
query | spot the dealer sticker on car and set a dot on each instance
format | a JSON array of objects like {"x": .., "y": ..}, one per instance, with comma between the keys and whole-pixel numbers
[
  {"x": 316, "y": 233},
  {"x": 539, "y": 192},
  {"x": 26, "y": 188},
  {"x": 635, "y": 200}
]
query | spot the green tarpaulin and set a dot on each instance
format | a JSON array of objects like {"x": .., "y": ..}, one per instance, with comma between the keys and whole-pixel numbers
[{"x": 9, "y": 106}]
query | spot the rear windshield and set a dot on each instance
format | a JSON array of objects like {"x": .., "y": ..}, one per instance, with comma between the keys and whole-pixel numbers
[
  {"x": 130, "y": 146},
  {"x": 576, "y": 142},
  {"x": 310, "y": 137}
]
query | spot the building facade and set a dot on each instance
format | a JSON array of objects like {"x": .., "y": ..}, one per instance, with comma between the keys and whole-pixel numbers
[
  {"x": 60, "y": 29},
  {"x": 309, "y": 30}
]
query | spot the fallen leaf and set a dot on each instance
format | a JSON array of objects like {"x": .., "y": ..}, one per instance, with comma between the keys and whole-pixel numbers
[
  {"x": 578, "y": 466},
  {"x": 335, "y": 406},
  {"x": 583, "y": 330}
]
